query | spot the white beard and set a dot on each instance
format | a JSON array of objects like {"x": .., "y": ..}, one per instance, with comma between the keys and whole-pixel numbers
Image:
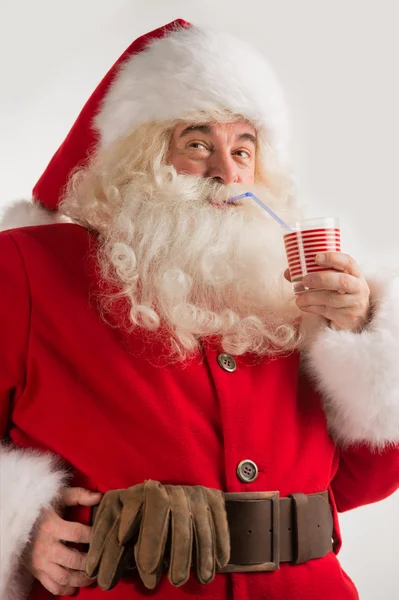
[{"x": 194, "y": 266}]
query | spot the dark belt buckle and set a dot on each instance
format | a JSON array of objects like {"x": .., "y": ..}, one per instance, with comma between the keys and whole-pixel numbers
[{"x": 271, "y": 498}]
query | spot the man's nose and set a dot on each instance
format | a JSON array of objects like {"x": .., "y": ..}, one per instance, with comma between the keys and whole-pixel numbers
[{"x": 223, "y": 168}]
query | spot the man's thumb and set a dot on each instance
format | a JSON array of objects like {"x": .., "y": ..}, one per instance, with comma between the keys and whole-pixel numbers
[{"x": 74, "y": 496}]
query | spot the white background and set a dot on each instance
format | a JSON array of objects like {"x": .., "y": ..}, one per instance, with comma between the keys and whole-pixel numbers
[{"x": 338, "y": 61}]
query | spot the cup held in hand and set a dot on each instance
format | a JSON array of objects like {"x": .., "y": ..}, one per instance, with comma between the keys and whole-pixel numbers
[{"x": 309, "y": 238}]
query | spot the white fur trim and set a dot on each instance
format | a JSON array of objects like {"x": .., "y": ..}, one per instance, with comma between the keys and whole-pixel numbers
[
  {"x": 192, "y": 70},
  {"x": 26, "y": 213},
  {"x": 358, "y": 373},
  {"x": 29, "y": 482}
]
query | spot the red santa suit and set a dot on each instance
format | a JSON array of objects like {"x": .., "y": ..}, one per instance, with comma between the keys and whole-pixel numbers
[{"x": 115, "y": 412}]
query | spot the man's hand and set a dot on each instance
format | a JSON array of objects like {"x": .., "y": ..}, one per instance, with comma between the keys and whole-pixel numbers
[
  {"x": 58, "y": 568},
  {"x": 342, "y": 295}
]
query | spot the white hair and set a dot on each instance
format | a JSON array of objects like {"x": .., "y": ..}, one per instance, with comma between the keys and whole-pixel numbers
[{"x": 182, "y": 264}]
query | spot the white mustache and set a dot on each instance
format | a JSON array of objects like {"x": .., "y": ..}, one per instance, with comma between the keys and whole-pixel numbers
[{"x": 186, "y": 188}]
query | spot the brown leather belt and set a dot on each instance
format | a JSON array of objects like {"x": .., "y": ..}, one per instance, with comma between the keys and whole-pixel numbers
[{"x": 266, "y": 529}]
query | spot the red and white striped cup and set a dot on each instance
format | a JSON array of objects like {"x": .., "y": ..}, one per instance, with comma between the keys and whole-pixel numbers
[{"x": 310, "y": 237}]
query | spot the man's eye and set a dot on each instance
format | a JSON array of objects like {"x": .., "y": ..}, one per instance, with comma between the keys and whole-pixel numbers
[
  {"x": 197, "y": 146},
  {"x": 242, "y": 154}
]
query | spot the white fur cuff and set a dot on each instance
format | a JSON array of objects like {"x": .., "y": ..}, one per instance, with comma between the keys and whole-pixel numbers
[
  {"x": 358, "y": 373},
  {"x": 29, "y": 482},
  {"x": 27, "y": 213}
]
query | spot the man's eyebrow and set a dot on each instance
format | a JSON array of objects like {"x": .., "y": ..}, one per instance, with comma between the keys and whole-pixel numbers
[
  {"x": 207, "y": 129},
  {"x": 202, "y": 128},
  {"x": 248, "y": 136}
]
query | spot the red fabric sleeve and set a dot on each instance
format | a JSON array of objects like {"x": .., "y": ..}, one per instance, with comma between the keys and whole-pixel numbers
[
  {"x": 14, "y": 326},
  {"x": 365, "y": 476}
]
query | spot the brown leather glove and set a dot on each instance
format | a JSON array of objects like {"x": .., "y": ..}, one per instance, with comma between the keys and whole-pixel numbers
[
  {"x": 194, "y": 515},
  {"x": 118, "y": 516}
]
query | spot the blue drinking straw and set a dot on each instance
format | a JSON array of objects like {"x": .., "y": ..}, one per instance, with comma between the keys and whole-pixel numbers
[{"x": 262, "y": 205}]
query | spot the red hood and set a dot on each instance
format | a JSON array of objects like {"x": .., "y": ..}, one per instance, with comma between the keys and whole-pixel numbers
[{"x": 82, "y": 138}]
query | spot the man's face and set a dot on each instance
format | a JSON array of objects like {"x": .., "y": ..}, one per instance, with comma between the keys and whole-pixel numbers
[{"x": 225, "y": 151}]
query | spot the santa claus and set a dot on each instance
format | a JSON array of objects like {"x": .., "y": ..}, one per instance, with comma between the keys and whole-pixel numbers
[{"x": 156, "y": 362}]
